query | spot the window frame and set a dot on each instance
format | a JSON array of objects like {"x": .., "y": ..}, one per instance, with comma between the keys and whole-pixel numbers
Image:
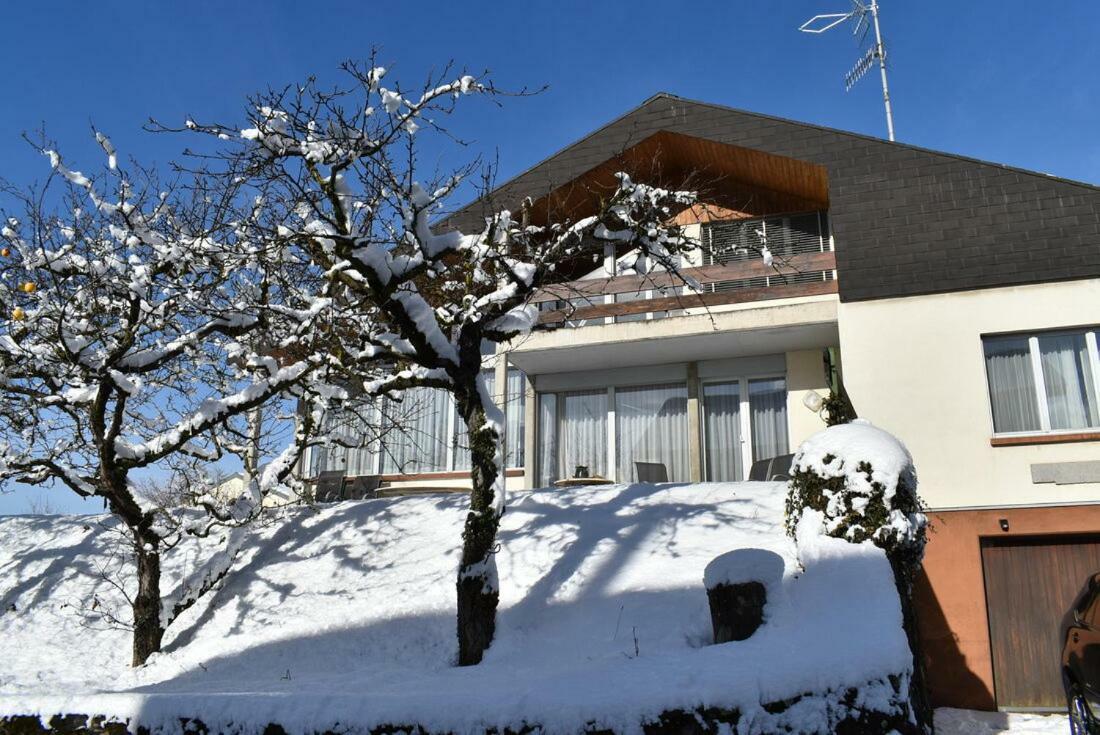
[
  {"x": 379, "y": 449},
  {"x": 744, "y": 417},
  {"x": 1092, "y": 343}
]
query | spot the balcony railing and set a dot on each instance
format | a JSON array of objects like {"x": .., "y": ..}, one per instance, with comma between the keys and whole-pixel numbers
[{"x": 803, "y": 265}]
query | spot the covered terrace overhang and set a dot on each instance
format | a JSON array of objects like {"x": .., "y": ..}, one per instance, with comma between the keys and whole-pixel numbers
[{"x": 772, "y": 329}]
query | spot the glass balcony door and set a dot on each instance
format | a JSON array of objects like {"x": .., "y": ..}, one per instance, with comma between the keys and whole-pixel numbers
[{"x": 744, "y": 421}]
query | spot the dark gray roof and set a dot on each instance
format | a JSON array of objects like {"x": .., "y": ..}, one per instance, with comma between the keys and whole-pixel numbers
[{"x": 906, "y": 220}]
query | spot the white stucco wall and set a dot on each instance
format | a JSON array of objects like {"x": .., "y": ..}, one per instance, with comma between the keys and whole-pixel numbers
[
  {"x": 805, "y": 373},
  {"x": 915, "y": 367}
]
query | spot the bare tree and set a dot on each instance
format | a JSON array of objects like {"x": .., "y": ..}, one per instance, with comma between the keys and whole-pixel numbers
[
  {"x": 344, "y": 191},
  {"x": 140, "y": 330}
]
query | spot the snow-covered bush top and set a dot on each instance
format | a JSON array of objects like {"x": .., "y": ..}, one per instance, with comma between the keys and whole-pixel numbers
[{"x": 861, "y": 479}]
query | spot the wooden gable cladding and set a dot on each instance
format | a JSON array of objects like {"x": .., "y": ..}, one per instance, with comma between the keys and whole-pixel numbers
[{"x": 732, "y": 182}]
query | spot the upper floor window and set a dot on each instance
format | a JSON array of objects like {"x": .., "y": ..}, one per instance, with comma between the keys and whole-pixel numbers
[{"x": 1045, "y": 382}]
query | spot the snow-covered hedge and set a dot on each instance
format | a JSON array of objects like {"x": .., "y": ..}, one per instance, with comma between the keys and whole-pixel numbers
[{"x": 862, "y": 480}]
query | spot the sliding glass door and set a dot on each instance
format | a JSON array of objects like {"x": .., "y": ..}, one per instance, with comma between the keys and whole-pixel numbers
[
  {"x": 651, "y": 426},
  {"x": 573, "y": 431},
  {"x": 768, "y": 414},
  {"x": 722, "y": 432},
  {"x": 744, "y": 421}
]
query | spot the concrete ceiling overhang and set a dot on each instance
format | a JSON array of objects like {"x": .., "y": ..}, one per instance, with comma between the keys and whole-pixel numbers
[{"x": 767, "y": 331}]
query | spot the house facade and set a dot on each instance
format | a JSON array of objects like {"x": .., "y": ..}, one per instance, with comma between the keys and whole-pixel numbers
[{"x": 958, "y": 300}]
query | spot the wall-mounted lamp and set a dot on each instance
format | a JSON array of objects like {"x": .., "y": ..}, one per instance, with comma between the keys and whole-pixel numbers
[
  {"x": 1004, "y": 524},
  {"x": 813, "y": 401}
]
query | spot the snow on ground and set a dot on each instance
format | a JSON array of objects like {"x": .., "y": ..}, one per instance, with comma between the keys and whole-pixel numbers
[
  {"x": 345, "y": 613},
  {"x": 967, "y": 722}
]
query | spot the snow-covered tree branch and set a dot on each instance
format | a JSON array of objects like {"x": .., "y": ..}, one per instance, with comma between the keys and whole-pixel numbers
[
  {"x": 140, "y": 329},
  {"x": 344, "y": 190}
]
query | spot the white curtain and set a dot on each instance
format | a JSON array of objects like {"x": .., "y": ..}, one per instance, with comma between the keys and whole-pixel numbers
[
  {"x": 722, "y": 426},
  {"x": 651, "y": 426},
  {"x": 547, "y": 444},
  {"x": 351, "y": 426},
  {"x": 515, "y": 399},
  {"x": 572, "y": 432},
  {"x": 1068, "y": 381},
  {"x": 1011, "y": 384},
  {"x": 582, "y": 433},
  {"x": 768, "y": 414},
  {"x": 416, "y": 440}
]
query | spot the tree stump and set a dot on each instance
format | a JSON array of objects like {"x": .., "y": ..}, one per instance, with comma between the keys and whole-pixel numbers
[
  {"x": 737, "y": 589},
  {"x": 736, "y": 610}
]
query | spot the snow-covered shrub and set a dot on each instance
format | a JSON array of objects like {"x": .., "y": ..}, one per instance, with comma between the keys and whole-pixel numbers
[{"x": 862, "y": 480}]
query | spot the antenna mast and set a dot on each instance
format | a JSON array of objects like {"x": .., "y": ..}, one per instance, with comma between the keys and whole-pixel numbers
[{"x": 859, "y": 13}]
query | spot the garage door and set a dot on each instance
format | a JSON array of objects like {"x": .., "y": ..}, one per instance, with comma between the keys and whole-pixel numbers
[{"x": 1030, "y": 583}]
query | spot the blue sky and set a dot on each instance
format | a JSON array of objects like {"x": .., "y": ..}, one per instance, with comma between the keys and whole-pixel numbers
[{"x": 1007, "y": 81}]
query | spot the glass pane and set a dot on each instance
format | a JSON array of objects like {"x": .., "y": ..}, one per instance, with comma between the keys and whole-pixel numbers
[
  {"x": 416, "y": 437},
  {"x": 547, "y": 443},
  {"x": 651, "y": 426},
  {"x": 355, "y": 427},
  {"x": 1011, "y": 384},
  {"x": 722, "y": 427},
  {"x": 768, "y": 414},
  {"x": 582, "y": 433},
  {"x": 1068, "y": 381},
  {"x": 515, "y": 401}
]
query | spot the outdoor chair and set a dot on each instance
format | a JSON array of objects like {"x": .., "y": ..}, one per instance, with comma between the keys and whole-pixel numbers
[
  {"x": 329, "y": 486},
  {"x": 652, "y": 472},
  {"x": 771, "y": 469},
  {"x": 362, "y": 486}
]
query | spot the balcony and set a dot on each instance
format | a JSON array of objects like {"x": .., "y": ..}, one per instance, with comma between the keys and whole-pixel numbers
[{"x": 732, "y": 272}]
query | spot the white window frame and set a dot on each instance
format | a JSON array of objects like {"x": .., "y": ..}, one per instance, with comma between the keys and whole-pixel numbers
[
  {"x": 451, "y": 448},
  {"x": 612, "y": 459},
  {"x": 744, "y": 416},
  {"x": 1038, "y": 381}
]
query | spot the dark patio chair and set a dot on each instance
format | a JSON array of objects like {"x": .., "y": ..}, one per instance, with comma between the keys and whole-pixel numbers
[
  {"x": 329, "y": 486},
  {"x": 772, "y": 469},
  {"x": 362, "y": 486},
  {"x": 652, "y": 472}
]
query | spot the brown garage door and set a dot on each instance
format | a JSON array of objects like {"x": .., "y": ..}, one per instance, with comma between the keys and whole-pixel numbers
[{"x": 1029, "y": 585}]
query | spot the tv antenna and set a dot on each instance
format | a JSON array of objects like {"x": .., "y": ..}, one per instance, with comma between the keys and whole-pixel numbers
[{"x": 865, "y": 16}]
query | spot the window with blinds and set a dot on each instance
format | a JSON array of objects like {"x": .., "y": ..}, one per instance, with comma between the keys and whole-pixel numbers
[{"x": 785, "y": 236}]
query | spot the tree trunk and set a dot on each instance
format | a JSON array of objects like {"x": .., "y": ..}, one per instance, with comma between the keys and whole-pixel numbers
[
  {"x": 147, "y": 624},
  {"x": 477, "y": 577}
]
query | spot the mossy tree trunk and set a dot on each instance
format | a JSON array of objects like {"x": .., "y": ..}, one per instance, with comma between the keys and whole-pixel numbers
[{"x": 478, "y": 592}]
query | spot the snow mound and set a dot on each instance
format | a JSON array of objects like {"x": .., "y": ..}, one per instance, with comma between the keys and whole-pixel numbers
[
  {"x": 969, "y": 722},
  {"x": 839, "y": 450},
  {"x": 343, "y": 617},
  {"x": 862, "y": 479},
  {"x": 745, "y": 565}
]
